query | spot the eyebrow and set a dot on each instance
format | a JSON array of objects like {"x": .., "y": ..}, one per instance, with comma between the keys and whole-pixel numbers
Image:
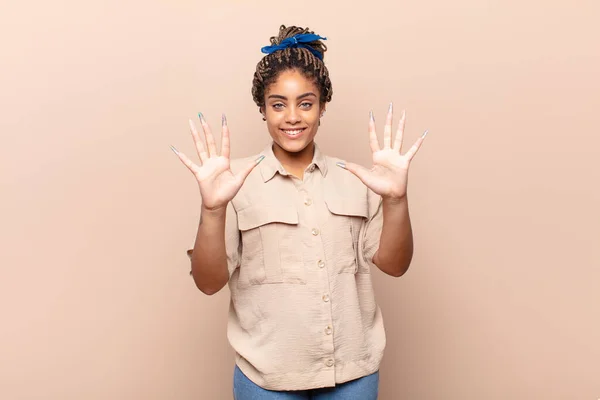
[{"x": 278, "y": 96}]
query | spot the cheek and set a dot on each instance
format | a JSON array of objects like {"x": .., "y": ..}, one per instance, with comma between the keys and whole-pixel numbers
[
  {"x": 313, "y": 119},
  {"x": 273, "y": 124},
  {"x": 274, "y": 119}
]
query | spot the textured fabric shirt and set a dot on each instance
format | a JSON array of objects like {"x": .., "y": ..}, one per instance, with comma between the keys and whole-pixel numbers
[{"x": 303, "y": 313}]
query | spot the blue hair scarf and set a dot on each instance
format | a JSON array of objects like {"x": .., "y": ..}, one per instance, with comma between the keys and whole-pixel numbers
[{"x": 296, "y": 41}]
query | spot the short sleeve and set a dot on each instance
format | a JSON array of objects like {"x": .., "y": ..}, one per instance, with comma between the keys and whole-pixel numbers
[
  {"x": 371, "y": 231},
  {"x": 233, "y": 243}
]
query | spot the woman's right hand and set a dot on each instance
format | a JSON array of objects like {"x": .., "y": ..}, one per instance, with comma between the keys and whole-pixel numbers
[{"x": 218, "y": 184}]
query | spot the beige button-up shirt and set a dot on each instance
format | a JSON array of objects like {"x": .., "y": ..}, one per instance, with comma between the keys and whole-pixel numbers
[{"x": 303, "y": 313}]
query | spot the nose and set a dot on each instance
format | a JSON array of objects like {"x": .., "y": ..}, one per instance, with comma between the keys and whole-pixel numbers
[{"x": 292, "y": 116}]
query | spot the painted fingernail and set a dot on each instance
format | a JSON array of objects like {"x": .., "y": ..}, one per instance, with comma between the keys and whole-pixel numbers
[
  {"x": 341, "y": 164},
  {"x": 174, "y": 150},
  {"x": 201, "y": 116},
  {"x": 391, "y": 107},
  {"x": 424, "y": 134},
  {"x": 223, "y": 120},
  {"x": 371, "y": 116},
  {"x": 259, "y": 159}
]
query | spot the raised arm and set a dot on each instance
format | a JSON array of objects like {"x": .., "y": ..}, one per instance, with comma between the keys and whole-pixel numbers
[
  {"x": 389, "y": 178},
  {"x": 218, "y": 185}
]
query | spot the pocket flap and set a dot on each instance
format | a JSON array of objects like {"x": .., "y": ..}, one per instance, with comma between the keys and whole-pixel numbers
[
  {"x": 355, "y": 205},
  {"x": 345, "y": 194},
  {"x": 350, "y": 207},
  {"x": 255, "y": 216}
]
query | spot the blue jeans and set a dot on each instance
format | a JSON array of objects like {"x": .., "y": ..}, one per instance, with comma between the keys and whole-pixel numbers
[{"x": 365, "y": 388}]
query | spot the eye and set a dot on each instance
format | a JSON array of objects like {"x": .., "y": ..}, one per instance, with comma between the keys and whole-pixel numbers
[
  {"x": 306, "y": 104},
  {"x": 277, "y": 106}
]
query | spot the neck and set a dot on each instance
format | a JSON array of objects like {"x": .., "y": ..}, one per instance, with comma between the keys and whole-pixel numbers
[{"x": 295, "y": 163}]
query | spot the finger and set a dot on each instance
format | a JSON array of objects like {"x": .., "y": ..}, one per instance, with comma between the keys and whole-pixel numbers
[
  {"x": 415, "y": 147},
  {"x": 225, "y": 149},
  {"x": 210, "y": 139},
  {"x": 185, "y": 160},
  {"x": 400, "y": 132},
  {"x": 361, "y": 172},
  {"x": 243, "y": 174},
  {"x": 373, "y": 142},
  {"x": 198, "y": 142},
  {"x": 387, "y": 130}
]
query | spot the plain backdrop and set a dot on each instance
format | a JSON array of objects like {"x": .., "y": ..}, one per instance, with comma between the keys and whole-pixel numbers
[{"x": 502, "y": 300}]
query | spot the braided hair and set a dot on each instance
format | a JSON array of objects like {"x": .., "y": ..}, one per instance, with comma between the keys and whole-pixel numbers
[{"x": 291, "y": 58}]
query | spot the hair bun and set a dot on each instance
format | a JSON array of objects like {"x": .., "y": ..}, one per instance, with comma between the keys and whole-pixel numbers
[{"x": 288, "y": 32}]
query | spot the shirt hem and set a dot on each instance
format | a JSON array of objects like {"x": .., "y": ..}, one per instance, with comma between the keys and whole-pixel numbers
[{"x": 308, "y": 380}]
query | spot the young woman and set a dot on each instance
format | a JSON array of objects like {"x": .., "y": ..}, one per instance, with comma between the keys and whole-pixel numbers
[{"x": 295, "y": 233}]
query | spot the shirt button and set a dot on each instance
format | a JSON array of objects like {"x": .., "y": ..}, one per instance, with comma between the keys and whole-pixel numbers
[
  {"x": 329, "y": 363},
  {"x": 321, "y": 264},
  {"x": 325, "y": 298},
  {"x": 315, "y": 231},
  {"x": 312, "y": 168},
  {"x": 308, "y": 202},
  {"x": 328, "y": 331}
]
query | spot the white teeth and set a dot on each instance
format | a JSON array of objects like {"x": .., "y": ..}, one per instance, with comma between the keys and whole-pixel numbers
[{"x": 292, "y": 133}]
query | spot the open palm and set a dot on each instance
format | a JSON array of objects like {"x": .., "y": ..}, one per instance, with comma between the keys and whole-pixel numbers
[
  {"x": 218, "y": 184},
  {"x": 388, "y": 177}
]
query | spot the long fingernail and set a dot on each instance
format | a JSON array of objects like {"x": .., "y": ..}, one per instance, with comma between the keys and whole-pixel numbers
[
  {"x": 259, "y": 159},
  {"x": 403, "y": 114},
  {"x": 223, "y": 120},
  {"x": 341, "y": 164},
  {"x": 174, "y": 150},
  {"x": 201, "y": 116},
  {"x": 424, "y": 134},
  {"x": 371, "y": 116},
  {"x": 391, "y": 107}
]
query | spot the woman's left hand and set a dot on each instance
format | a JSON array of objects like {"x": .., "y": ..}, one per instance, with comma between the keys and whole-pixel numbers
[{"x": 389, "y": 175}]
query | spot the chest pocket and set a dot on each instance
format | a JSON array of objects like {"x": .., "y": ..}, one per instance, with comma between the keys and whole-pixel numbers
[
  {"x": 347, "y": 216},
  {"x": 270, "y": 248}
]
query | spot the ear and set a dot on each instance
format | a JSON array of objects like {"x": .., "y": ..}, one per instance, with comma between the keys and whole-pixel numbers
[{"x": 323, "y": 109}]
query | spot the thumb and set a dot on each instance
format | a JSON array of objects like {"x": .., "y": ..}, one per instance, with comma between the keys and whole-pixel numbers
[
  {"x": 359, "y": 171},
  {"x": 244, "y": 172}
]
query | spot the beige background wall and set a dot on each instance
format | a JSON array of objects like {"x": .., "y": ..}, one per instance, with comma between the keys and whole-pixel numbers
[{"x": 502, "y": 300}]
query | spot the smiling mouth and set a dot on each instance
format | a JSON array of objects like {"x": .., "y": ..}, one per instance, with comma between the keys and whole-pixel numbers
[{"x": 293, "y": 132}]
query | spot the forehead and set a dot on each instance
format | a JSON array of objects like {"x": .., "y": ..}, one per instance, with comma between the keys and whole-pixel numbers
[{"x": 292, "y": 82}]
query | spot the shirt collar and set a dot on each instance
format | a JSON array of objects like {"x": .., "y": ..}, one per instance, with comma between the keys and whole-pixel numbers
[{"x": 271, "y": 165}]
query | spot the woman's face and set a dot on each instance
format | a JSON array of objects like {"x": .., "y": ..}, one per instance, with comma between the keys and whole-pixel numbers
[{"x": 292, "y": 110}]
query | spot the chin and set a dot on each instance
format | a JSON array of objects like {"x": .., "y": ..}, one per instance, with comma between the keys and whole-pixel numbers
[{"x": 293, "y": 146}]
